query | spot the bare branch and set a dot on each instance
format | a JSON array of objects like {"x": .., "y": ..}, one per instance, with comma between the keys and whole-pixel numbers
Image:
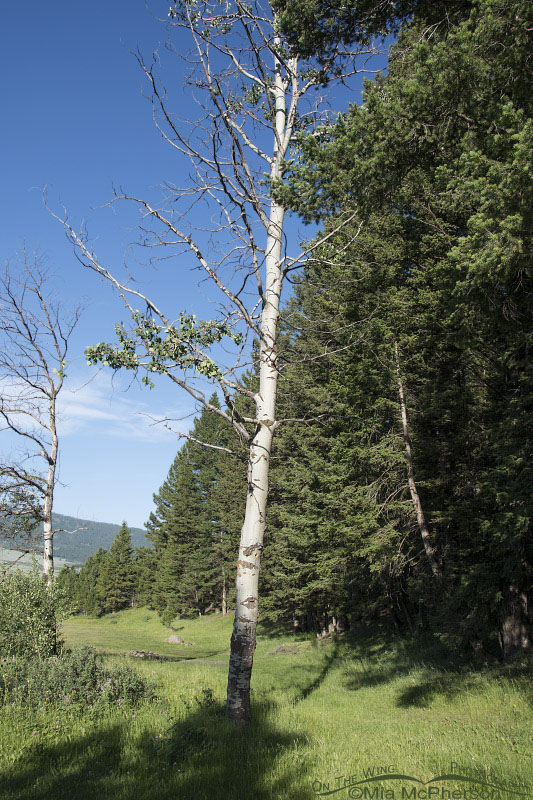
[
  {"x": 34, "y": 342},
  {"x": 206, "y": 445}
]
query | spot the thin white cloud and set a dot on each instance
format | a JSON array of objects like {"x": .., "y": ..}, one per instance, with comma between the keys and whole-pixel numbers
[{"x": 103, "y": 408}]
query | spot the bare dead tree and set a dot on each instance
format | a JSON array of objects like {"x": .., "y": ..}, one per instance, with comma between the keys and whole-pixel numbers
[
  {"x": 34, "y": 341},
  {"x": 253, "y": 97}
]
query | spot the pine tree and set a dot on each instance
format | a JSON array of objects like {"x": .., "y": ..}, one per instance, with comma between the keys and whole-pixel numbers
[
  {"x": 87, "y": 597},
  {"x": 437, "y": 163},
  {"x": 144, "y": 570},
  {"x": 193, "y": 549},
  {"x": 115, "y": 585},
  {"x": 340, "y": 507},
  {"x": 66, "y": 582}
]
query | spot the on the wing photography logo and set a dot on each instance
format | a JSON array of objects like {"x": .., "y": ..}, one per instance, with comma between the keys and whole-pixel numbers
[{"x": 386, "y": 782}]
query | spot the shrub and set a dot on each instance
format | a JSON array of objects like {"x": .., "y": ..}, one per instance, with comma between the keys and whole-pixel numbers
[
  {"x": 76, "y": 677},
  {"x": 28, "y": 616}
]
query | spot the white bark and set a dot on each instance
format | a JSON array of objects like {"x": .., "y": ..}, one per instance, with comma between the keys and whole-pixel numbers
[
  {"x": 415, "y": 497},
  {"x": 224, "y": 608},
  {"x": 48, "y": 504},
  {"x": 34, "y": 335},
  {"x": 243, "y": 639}
]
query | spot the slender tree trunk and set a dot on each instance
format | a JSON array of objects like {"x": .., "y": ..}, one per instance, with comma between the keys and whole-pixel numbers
[
  {"x": 48, "y": 550},
  {"x": 515, "y": 633},
  {"x": 224, "y": 603},
  {"x": 197, "y": 601},
  {"x": 48, "y": 532},
  {"x": 415, "y": 497},
  {"x": 243, "y": 639}
]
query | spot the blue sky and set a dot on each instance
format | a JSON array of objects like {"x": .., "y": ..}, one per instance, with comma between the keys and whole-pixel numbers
[{"x": 75, "y": 122}]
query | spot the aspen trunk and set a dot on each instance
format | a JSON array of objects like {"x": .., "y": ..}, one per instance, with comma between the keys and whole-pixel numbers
[
  {"x": 243, "y": 639},
  {"x": 48, "y": 532},
  {"x": 224, "y": 603},
  {"x": 415, "y": 497},
  {"x": 48, "y": 550}
]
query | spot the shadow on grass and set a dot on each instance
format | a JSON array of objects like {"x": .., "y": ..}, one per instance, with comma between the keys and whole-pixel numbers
[
  {"x": 421, "y": 694},
  {"x": 449, "y": 684},
  {"x": 198, "y": 757},
  {"x": 369, "y": 659},
  {"x": 330, "y": 662}
]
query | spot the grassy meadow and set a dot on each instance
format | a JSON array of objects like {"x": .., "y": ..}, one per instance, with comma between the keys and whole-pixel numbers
[{"x": 322, "y": 710}]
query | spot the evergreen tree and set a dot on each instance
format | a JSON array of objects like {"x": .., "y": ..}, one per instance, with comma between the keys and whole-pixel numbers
[
  {"x": 193, "y": 550},
  {"x": 317, "y": 27},
  {"x": 144, "y": 570},
  {"x": 87, "y": 596},
  {"x": 437, "y": 278},
  {"x": 66, "y": 582},
  {"x": 115, "y": 585},
  {"x": 341, "y": 508}
]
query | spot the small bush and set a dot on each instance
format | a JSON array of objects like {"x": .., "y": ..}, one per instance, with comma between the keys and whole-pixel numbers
[
  {"x": 28, "y": 616},
  {"x": 76, "y": 677}
]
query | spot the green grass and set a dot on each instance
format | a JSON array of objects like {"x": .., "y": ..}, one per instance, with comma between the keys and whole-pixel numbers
[
  {"x": 321, "y": 711},
  {"x": 141, "y": 629}
]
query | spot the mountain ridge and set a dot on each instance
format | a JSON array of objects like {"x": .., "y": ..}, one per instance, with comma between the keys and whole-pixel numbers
[{"x": 88, "y": 537}]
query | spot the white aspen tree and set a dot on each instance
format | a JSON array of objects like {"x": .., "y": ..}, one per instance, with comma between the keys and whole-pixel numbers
[
  {"x": 254, "y": 96},
  {"x": 34, "y": 342}
]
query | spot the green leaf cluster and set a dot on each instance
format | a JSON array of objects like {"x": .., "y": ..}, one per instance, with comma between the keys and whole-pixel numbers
[{"x": 161, "y": 348}]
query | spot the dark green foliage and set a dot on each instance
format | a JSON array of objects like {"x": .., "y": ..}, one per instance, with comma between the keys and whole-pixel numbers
[
  {"x": 320, "y": 28},
  {"x": 194, "y": 550},
  {"x": 438, "y": 164},
  {"x": 144, "y": 570},
  {"x": 115, "y": 584},
  {"x": 87, "y": 597},
  {"x": 341, "y": 516},
  {"x": 110, "y": 579},
  {"x": 66, "y": 583},
  {"x": 76, "y": 677}
]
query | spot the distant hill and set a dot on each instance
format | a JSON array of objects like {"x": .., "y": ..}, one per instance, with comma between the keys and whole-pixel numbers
[
  {"x": 27, "y": 561},
  {"x": 77, "y": 547}
]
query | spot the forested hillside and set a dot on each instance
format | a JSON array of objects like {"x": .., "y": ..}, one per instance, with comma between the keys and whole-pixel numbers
[{"x": 87, "y": 538}]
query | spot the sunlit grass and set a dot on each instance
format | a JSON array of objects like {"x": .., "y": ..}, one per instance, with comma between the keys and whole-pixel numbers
[{"x": 320, "y": 711}]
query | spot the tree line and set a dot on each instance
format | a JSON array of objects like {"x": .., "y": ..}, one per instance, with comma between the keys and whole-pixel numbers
[{"x": 402, "y": 486}]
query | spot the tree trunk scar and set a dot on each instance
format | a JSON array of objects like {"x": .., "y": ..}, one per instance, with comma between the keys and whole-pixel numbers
[
  {"x": 247, "y": 551},
  {"x": 246, "y": 564}
]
